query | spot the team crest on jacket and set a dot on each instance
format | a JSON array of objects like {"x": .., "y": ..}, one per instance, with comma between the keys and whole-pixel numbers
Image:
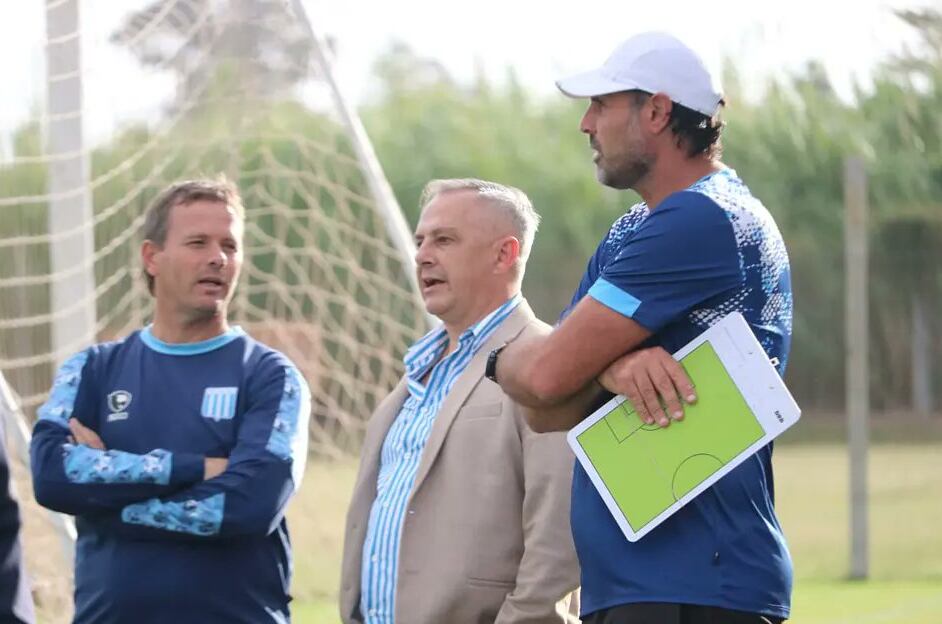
[
  {"x": 118, "y": 403},
  {"x": 219, "y": 403}
]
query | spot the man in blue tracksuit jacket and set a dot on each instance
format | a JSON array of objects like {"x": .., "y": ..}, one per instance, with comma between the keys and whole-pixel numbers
[{"x": 178, "y": 447}]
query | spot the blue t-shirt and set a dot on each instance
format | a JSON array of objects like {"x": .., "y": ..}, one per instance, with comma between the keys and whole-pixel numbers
[
  {"x": 157, "y": 542},
  {"x": 702, "y": 253}
]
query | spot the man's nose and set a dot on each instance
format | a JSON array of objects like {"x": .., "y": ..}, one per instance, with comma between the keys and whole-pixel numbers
[
  {"x": 218, "y": 257},
  {"x": 422, "y": 255},
  {"x": 587, "y": 125}
]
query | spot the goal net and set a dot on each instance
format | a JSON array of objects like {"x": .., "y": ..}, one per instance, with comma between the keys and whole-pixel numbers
[{"x": 121, "y": 99}]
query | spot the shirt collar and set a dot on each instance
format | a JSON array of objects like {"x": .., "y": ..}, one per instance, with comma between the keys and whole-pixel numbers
[
  {"x": 189, "y": 348},
  {"x": 428, "y": 349},
  {"x": 727, "y": 172},
  {"x": 485, "y": 323}
]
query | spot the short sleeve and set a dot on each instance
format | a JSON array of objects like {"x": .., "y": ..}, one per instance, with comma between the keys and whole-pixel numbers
[
  {"x": 683, "y": 254},
  {"x": 592, "y": 271},
  {"x": 607, "y": 248}
]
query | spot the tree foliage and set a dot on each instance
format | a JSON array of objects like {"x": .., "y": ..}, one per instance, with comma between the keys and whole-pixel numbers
[{"x": 789, "y": 146}]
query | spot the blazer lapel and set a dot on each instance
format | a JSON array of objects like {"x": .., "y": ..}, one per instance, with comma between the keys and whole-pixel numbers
[
  {"x": 472, "y": 375},
  {"x": 376, "y": 431},
  {"x": 364, "y": 491}
]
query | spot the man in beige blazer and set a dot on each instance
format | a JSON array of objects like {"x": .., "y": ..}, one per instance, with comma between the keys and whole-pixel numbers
[{"x": 460, "y": 513}]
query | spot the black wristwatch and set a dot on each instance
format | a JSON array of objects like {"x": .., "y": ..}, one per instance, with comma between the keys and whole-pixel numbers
[{"x": 490, "y": 371}]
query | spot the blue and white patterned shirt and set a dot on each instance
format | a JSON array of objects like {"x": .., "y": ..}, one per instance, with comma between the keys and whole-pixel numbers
[
  {"x": 677, "y": 269},
  {"x": 402, "y": 452}
]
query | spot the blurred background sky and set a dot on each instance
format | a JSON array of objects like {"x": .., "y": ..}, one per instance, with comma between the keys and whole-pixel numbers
[{"x": 540, "y": 40}]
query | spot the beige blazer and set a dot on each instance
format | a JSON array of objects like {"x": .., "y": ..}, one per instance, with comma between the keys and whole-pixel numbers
[{"x": 486, "y": 535}]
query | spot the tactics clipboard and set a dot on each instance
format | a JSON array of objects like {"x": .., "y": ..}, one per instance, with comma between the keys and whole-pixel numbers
[{"x": 645, "y": 473}]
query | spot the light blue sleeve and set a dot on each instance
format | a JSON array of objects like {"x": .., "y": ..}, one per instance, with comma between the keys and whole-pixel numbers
[
  {"x": 683, "y": 254},
  {"x": 264, "y": 468},
  {"x": 87, "y": 465},
  {"x": 77, "y": 479}
]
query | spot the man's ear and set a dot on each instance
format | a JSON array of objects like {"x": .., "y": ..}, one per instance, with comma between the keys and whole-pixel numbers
[
  {"x": 149, "y": 253},
  {"x": 659, "y": 113},
  {"x": 508, "y": 252}
]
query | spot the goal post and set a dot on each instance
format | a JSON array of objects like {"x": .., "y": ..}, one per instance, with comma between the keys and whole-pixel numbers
[
  {"x": 200, "y": 87},
  {"x": 70, "y": 209},
  {"x": 136, "y": 95}
]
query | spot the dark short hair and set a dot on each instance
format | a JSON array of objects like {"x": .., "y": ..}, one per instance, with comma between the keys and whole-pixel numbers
[
  {"x": 696, "y": 133},
  {"x": 157, "y": 217}
]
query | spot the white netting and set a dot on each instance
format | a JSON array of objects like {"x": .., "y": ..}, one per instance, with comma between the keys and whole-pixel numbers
[{"x": 175, "y": 89}]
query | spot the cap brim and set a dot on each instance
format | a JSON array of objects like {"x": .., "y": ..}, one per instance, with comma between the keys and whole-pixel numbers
[{"x": 590, "y": 84}]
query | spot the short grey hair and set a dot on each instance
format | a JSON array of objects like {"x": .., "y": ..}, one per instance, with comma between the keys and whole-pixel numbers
[{"x": 510, "y": 201}]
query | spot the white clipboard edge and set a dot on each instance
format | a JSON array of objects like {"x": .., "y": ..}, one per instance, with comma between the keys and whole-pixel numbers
[{"x": 760, "y": 385}]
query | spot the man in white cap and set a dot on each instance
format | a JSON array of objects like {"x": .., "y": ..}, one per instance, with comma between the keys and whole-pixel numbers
[{"x": 698, "y": 247}]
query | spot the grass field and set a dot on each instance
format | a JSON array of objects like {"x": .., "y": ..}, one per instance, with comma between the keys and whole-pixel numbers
[
  {"x": 905, "y": 474},
  {"x": 811, "y": 481}
]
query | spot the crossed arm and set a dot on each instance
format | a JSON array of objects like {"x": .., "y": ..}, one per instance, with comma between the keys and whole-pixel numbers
[
  {"x": 79, "y": 479},
  {"x": 82, "y": 435},
  {"x": 557, "y": 376},
  {"x": 165, "y": 495}
]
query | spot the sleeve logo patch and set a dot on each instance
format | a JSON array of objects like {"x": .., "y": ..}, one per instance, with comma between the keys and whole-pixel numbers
[
  {"x": 219, "y": 403},
  {"x": 118, "y": 403}
]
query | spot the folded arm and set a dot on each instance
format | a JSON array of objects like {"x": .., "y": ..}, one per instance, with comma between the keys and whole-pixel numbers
[
  {"x": 263, "y": 471},
  {"x": 681, "y": 257},
  {"x": 555, "y": 374},
  {"x": 560, "y": 415},
  {"x": 77, "y": 479}
]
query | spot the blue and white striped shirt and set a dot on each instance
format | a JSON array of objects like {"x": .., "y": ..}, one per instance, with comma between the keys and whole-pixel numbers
[{"x": 402, "y": 452}]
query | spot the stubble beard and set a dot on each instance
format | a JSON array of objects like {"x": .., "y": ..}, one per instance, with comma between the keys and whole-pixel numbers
[
  {"x": 631, "y": 169},
  {"x": 204, "y": 313}
]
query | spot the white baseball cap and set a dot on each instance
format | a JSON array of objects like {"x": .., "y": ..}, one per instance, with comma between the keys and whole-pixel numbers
[{"x": 654, "y": 62}]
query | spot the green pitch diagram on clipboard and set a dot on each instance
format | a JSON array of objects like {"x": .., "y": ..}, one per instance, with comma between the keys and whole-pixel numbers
[{"x": 645, "y": 473}]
